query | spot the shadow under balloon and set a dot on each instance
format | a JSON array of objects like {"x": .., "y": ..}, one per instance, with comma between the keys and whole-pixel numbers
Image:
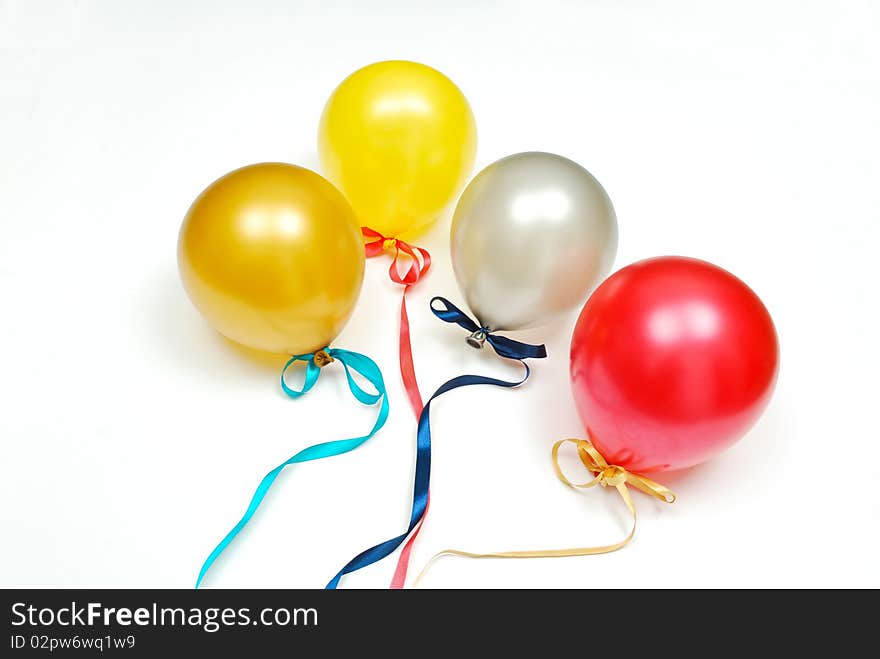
[
  {"x": 183, "y": 339},
  {"x": 178, "y": 341},
  {"x": 178, "y": 338},
  {"x": 556, "y": 336},
  {"x": 751, "y": 460}
]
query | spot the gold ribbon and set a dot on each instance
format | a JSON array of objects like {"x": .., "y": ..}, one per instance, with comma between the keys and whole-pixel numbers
[{"x": 603, "y": 474}]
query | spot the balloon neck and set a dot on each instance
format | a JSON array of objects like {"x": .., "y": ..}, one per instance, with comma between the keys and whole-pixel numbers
[
  {"x": 478, "y": 339},
  {"x": 322, "y": 358}
]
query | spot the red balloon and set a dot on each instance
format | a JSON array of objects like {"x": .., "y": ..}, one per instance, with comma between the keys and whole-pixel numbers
[{"x": 672, "y": 360}]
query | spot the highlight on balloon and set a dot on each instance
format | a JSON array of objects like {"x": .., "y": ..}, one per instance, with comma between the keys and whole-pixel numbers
[
  {"x": 672, "y": 359},
  {"x": 271, "y": 255}
]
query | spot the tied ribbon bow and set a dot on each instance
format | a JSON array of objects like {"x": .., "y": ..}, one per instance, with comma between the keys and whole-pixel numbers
[
  {"x": 315, "y": 362},
  {"x": 609, "y": 476},
  {"x": 420, "y": 262},
  {"x": 420, "y": 259},
  {"x": 505, "y": 347},
  {"x": 604, "y": 474}
]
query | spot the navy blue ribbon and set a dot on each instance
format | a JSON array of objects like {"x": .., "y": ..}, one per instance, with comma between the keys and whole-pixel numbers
[{"x": 505, "y": 347}]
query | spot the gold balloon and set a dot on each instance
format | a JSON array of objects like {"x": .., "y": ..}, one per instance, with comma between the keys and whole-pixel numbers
[
  {"x": 272, "y": 256},
  {"x": 399, "y": 139}
]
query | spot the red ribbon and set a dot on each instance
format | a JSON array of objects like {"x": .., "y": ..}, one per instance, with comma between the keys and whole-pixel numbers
[
  {"x": 420, "y": 260},
  {"x": 398, "y": 581}
]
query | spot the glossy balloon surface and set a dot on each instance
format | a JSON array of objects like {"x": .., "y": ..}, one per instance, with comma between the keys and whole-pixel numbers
[
  {"x": 672, "y": 360},
  {"x": 399, "y": 139},
  {"x": 272, "y": 256},
  {"x": 532, "y": 234}
]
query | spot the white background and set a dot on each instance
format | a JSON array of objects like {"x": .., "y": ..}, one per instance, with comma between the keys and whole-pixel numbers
[{"x": 132, "y": 436}]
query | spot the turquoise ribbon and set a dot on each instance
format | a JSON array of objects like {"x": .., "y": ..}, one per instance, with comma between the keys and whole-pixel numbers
[{"x": 351, "y": 362}]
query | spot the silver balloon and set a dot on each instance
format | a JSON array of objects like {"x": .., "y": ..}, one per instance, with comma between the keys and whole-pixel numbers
[{"x": 532, "y": 235}]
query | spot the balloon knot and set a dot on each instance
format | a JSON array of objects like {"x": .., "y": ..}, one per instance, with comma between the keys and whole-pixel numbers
[
  {"x": 322, "y": 358},
  {"x": 389, "y": 243},
  {"x": 478, "y": 338},
  {"x": 612, "y": 475}
]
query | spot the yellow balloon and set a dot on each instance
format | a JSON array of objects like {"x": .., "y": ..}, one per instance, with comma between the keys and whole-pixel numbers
[
  {"x": 399, "y": 139},
  {"x": 273, "y": 258}
]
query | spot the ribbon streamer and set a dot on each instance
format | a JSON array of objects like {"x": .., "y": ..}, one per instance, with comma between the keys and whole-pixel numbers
[
  {"x": 506, "y": 348},
  {"x": 351, "y": 361},
  {"x": 603, "y": 474},
  {"x": 420, "y": 262},
  {"x": 502, "y": 345}
]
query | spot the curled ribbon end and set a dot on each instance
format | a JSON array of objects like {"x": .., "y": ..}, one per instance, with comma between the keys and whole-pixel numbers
[{"x": 322, "y": 358}]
